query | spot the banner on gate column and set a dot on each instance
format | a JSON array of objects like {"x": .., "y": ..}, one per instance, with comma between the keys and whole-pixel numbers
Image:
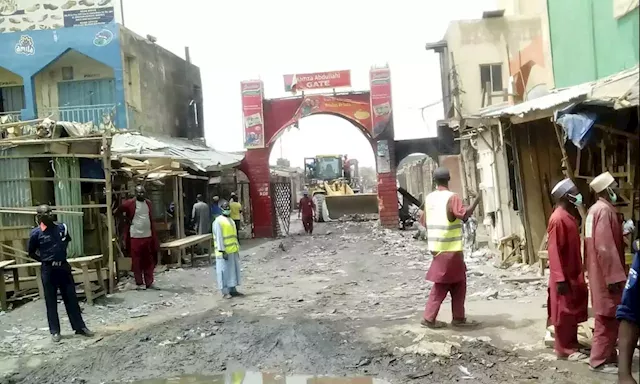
[
  {"x": 381, "y": 107},
  {"x": 252, "y": 113}
]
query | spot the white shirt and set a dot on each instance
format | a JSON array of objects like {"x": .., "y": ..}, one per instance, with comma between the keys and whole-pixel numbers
[{"x": 141, "y": 224}]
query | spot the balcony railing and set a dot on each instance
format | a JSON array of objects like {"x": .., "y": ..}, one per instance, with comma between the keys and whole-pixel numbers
[
  {"x": 102, "y": 116},
  {"x": 9, "y": 117}
]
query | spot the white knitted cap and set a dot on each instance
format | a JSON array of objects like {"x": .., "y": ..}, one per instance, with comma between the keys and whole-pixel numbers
[
  {"x": 602, "y": 182},
  {"x": 562, "y": 188}
]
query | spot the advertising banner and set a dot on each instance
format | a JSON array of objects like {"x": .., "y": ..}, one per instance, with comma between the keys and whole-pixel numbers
[
  {"x": 32, "y": 15},
  {"x": 320, "y": 80},
  {"x": 352, "y": 109},
  {"x": 381, "y": 109},
  {"x": 252, "y": 113}
]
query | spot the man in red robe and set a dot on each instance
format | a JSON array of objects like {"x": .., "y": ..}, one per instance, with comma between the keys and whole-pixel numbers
[
  {"x": 140, "y": 237},
  {"x": 306, "y": 207},
  {"x": 568, "y": 296},
  {"x": 604, "y": 256},
  {"x": 444, "y": 214}
]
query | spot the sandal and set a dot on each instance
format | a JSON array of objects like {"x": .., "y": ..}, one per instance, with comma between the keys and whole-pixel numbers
[
  {"x": 465, "y": 323},
  {"x": 608, "y": 369},
  {"x": 576, "y": 356},
  {"x": 433, "y": 324}
]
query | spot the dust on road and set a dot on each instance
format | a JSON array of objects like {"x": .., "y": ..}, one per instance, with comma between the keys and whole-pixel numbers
[{"x": 343, "y": 302}]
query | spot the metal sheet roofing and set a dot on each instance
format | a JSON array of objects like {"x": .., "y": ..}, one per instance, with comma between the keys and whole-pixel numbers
[
  {"x": 619, "y": 90},
  {"x": 189, "y": 153}
]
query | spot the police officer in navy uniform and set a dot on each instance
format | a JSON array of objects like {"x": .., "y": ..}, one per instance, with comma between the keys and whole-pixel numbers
[{"x": 48, "y": 244}]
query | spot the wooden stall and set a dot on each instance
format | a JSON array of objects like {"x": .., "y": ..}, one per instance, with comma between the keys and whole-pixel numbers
[
  {"x": 164, "y": 180},
  {"x": 45, "y": 168}
]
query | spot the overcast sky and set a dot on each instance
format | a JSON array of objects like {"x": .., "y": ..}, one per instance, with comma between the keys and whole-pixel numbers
[{"x": 248, "y": 39}]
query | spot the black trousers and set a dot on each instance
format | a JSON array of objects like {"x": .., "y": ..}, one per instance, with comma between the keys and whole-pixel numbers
[
  {"x": 56, "y": 278},
  {"x": 238, "y": 224}
]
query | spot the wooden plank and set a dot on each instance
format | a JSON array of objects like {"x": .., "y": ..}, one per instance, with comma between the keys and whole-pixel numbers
[
  {"x": 56, "y": 179},
  {"x": 87, "y": 283},
  {"x": 3, "y": 288},
  {"x": 63, "y": 140},
  {"x": 32, "y": 282},
  {"x": 106, "y": 163},
  {"x": 181, "y": 214},
  {"x": 39, "y": 282},
  {"x": 85, "y": 259},
  {"x": 185, "y": 242},
  {"x": 26, "y": 212},
  {"x": 48, "y": 155},
  {"x": 6, "y": 263},
  {"x": 25, "y": 265}
]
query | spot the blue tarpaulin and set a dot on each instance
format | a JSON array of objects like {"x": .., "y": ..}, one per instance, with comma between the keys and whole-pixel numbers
[{"x": 577, "y": 126}]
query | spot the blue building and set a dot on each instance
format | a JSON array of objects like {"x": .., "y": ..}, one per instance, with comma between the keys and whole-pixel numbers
[{"x": 94, "y": 69}]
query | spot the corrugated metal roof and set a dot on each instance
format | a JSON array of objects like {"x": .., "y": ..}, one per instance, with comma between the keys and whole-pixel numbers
[
  {"x": 556, "y": 98},
  {"x": 189, "y": 153},
  {"x": 15, "y": 193},
  {"x": 620, "y": 90}
]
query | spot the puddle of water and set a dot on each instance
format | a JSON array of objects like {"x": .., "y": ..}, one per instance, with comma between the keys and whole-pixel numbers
[{"x": 261, "y": 378}]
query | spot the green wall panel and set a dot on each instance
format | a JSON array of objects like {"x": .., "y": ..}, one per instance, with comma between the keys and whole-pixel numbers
[{"x": 588, "y": 43}]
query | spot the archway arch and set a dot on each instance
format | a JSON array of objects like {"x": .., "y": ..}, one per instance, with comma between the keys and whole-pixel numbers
[
  {"x": 325, "y": 137},
  {"x": 266, "y": 119}
]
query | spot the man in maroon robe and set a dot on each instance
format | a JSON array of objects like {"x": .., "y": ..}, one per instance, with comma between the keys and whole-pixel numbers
[
  {"x": 604, "y": 256},
  {"x": 140, "y": 237},
  {"x": 568, "y": 296},
  {"x": 307, "y": 207}
]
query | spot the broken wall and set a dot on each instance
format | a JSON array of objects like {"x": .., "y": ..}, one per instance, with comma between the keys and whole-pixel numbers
[
  {"x": 159, "y": 88},
  {"x": 500, "y": 216}
]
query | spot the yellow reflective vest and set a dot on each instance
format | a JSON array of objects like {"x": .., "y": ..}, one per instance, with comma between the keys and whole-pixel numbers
[
  {"x": 229, "y": 236},
  {"x": 442, "y": 234}
]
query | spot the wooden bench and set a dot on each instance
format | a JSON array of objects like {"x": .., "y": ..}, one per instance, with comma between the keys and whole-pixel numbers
[
  {"x": 83, "y": 262},
  {"x": 16, "y": 277},
  {"x": 184, "y": 243},
  {"x": 544, "y": 260},
  {"x": 3, "y": 291}
]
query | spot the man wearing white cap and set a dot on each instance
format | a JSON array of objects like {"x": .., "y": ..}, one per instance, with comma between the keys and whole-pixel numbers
[
  {"x": 568, "y": 297},
  {"x": 604, "y": 257}
]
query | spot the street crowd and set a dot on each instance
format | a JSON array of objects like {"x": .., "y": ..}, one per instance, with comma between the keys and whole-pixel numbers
[{"x": 613, "y": 286}]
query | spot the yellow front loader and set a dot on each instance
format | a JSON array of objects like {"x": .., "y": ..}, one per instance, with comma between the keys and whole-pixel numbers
[{"x": 333, "y": 188}]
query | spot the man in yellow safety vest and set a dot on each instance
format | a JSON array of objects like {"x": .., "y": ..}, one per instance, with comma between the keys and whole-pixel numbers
[
  {"x": 225, "y": 242},
  {"x": 444, "y": 215}
]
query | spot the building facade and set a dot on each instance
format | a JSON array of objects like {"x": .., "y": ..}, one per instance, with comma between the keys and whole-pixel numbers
[
  {"x": 603, "y": 34},
  {"x": 74, "y": 61},
  {"x": 500, "y": 59}
]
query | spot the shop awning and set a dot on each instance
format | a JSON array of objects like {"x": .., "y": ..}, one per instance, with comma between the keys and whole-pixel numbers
[
  {"x": 188, "y": 153},
  {"x": 616, "y": 91}
]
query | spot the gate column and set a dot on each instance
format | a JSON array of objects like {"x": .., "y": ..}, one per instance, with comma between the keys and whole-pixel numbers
[
  {"x": 256, "y": 166},
  {"x": 387, "y": 188}
]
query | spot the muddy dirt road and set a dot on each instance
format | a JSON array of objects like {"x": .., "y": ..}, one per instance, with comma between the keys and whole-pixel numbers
[{"x": 346, "y": 301}]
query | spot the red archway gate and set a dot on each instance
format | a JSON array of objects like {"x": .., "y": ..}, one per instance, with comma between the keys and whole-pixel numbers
[{"x": 264, "y": 119}]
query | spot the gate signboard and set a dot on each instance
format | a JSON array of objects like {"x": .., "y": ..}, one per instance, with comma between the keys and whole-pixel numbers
[
  {"x": 319, "y": 80},
  {"x": 252, "y": 113}
]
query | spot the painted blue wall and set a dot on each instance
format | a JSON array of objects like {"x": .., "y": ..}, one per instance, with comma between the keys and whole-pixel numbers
[{"x": 48, "y": 45}]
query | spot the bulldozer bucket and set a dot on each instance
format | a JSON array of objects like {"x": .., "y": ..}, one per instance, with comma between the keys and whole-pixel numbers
[{"x": 359, "y": 203}]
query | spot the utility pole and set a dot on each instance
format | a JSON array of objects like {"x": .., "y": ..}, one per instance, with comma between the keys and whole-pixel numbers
[{"x": 456, "y": 87}]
